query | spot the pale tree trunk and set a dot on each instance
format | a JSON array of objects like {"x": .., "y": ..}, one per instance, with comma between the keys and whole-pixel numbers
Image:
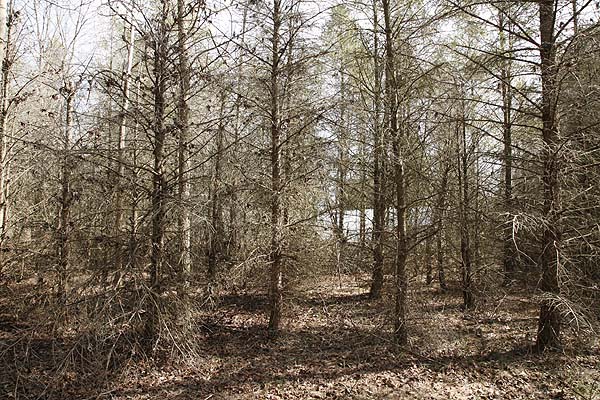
[
  {"x": 548, "y": 335},
  {"x": 6, "y": 24},
  {"x": 121, "y": 143},
  {"x": 183, "y": 186},
  {"x": 275, "y": 255},
  {"x": 379, "y": 204},
  {"x": 397, "y": 135}
]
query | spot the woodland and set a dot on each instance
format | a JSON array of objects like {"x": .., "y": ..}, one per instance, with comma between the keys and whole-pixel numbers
[{"x": 299, "y": 199}]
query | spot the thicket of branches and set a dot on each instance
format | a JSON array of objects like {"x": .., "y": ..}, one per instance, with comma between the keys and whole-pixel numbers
[{"x": 156, "y": 154}]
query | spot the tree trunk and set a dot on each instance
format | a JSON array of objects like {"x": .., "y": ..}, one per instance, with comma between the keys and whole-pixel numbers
[
  {"x": 234, "y": 223},
  {"x": 276, "y": 273},
  {"x": 362, "y": 227},
  {"x": 341, "y": 179},
  {"x": 509, "y": 257},
  {"x": 397, "y": 136},
  {"x": 439, "y": 220},
  {"x": 6, "y": 24},
  {"x": 136, "y": 196},
  {"x": 549, "y": 321},
  {"x": 183, "y": 186},
  {"x": 216, "y": 217},
  {"x": 465, "y": 220},
  {"x": 428, "y": 261},
  {"x": 159, "y": 193},
  {"x": 64, "y": 212},
  {"x": 121, "y": 143},
  {"x": 379, "y": 204}
]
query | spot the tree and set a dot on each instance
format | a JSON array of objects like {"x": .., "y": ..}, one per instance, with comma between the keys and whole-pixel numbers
[
  {"x": 549, "y": 321},
  {"x": 397, "y": 137},
  {"x": 183, "y": 188}
]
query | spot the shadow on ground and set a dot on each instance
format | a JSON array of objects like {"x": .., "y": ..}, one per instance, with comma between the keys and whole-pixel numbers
[{"x": 336, "y": 346}]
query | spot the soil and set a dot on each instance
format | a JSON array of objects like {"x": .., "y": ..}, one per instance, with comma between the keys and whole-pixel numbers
[{"x": 335, "y": 344}]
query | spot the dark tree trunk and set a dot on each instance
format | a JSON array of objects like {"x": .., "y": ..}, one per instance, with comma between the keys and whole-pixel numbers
[
  {"x": 549, "y": 321},
  {"x": 159, "y": 190},
  {"x": 428, "y": 261},
  {"x": 66, "y": 198},
  {"x": 379, "y": 203},
  {"x": 400, "y": 331},
  {"x": 465, "y": 220},
  {"x": 439, "y": 220}
]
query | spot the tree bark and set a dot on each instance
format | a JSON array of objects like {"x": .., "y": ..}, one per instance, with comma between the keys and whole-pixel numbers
[
  {"x": 216, "y": 217},
  {"x": 428, "y": 261},
  {"x": 183, "y": 186},
  {"x": 465, "y": 220},
  {"x": 439, "y": 220},
  {"x": 66, "y": 197},
  {"x": 548, "y": 335},
  {"x": 276, "y": 272},
  {"x": 509, "y": 256},
  {"x": 121, "y": 144},
  {"x": 362, "y": 227},
  {"x": 379, "y": 203},
  {"x": 158, "y": 180},
  {"x": 6, "y": 24},
  {"x": 397, "y": 135},
  {"x": 341, "y": 178}
]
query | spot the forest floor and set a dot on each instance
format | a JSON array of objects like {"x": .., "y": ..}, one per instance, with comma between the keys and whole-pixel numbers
[{"x": 335, "y": 344}]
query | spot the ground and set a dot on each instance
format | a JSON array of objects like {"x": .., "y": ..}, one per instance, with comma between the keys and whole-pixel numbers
[{"x": 335, "y": 344}]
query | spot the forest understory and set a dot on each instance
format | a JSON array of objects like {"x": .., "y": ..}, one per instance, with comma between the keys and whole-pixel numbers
[{"x": 335, "y": 344}]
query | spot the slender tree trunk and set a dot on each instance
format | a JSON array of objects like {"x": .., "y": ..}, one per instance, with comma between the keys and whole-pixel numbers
[
  {"x": 440, "y": 211},
  {"x": 66, "y": 198},
  {"x": 400, "y": 331},
  {"x": 121, "y": 143},
  {"x": 234, "y": 220},
  {"x": 183, "y": 186},
  {"x": 575, "y": 16},
  {"x": 216, "y": 217},
  {"x": 340, "y": 195},
  {"x": 379, "y": 204},
  {"x": 136, "y": 196},
  {"x": 362, "y": 228},
  {"x": 158, "y": 181},
  {"x": 276, "y": 272},
  {"x": 549, "y": 321},
  {"x": 465, "y": 238},
  {"x": 428, "y": 261},
  {"x": 6, "y": 24},
  {"x": 509, "y": 258}
]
